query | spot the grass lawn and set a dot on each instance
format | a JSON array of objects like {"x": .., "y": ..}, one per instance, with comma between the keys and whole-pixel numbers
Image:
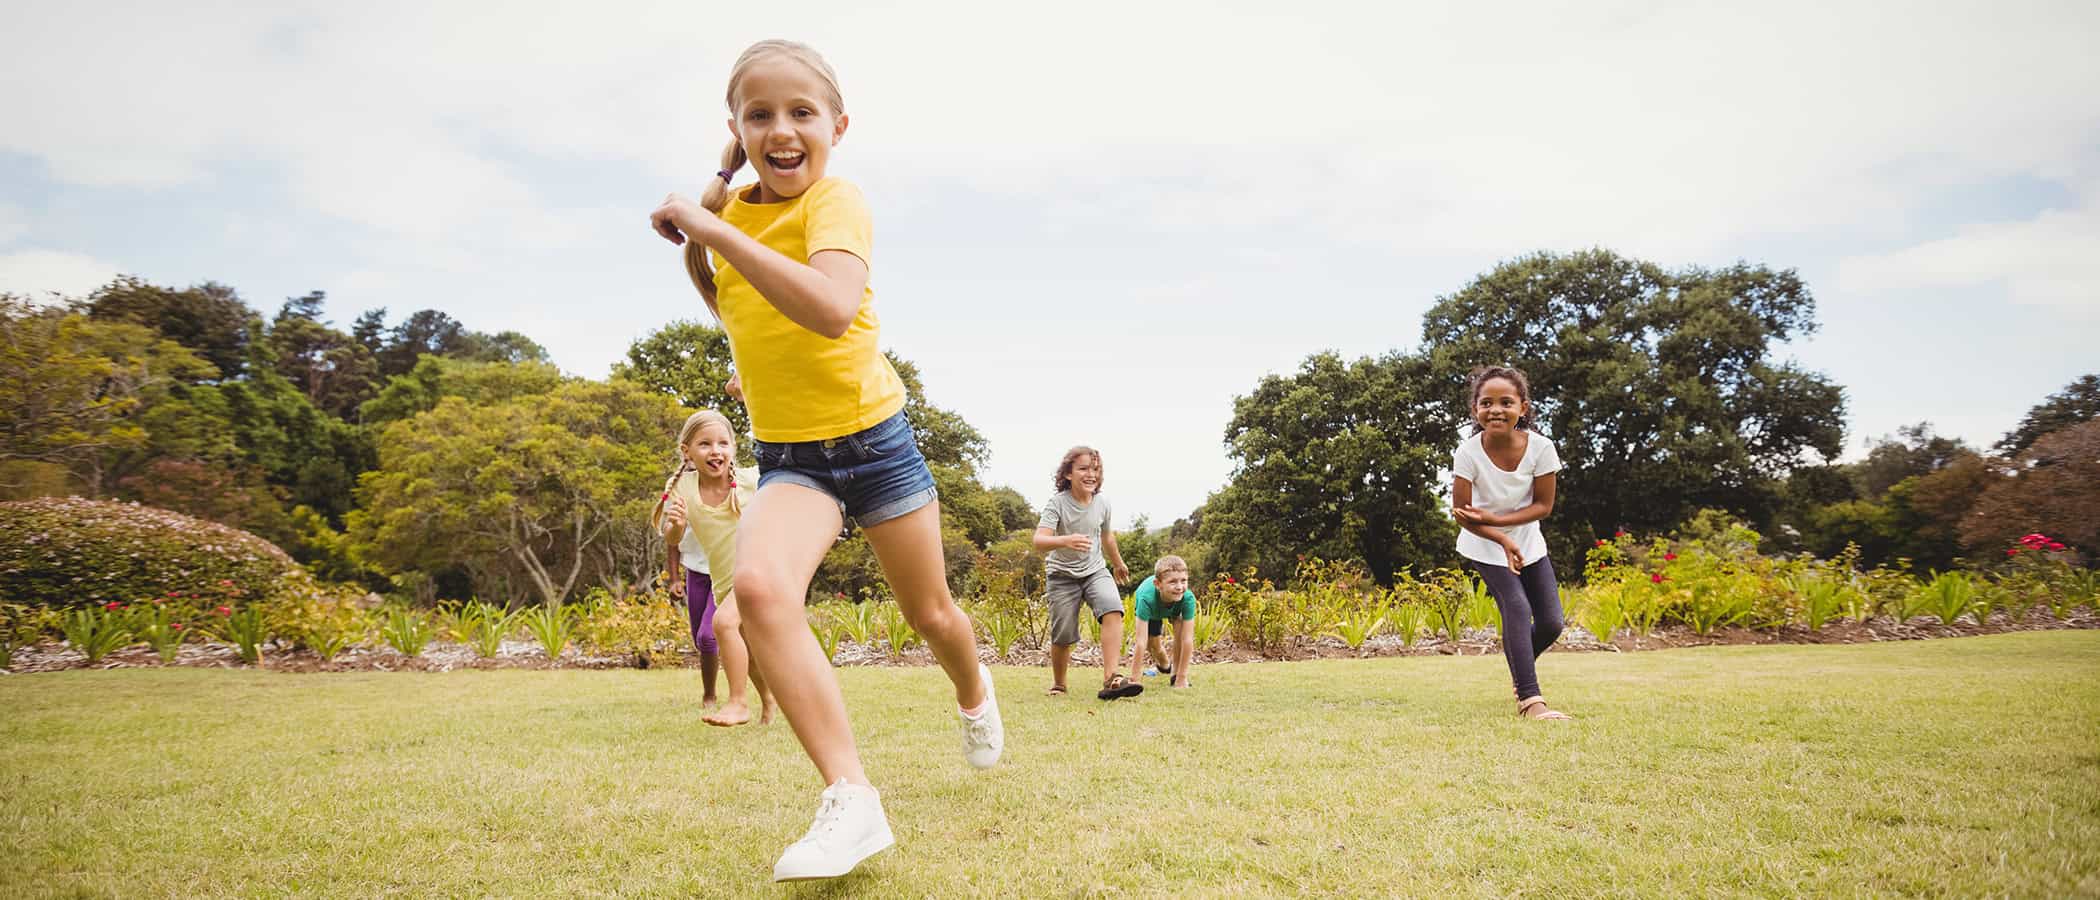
[{"x": 1958, "y": 767}]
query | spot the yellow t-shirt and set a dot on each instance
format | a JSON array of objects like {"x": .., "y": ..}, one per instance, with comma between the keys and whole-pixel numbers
[
  {"x": 800, "y": 385},
  {"x": 715, "y": 526}
]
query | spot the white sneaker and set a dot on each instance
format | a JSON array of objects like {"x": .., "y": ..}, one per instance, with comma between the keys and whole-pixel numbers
[
  {"x": 984, "y": 737},
  {"x": 850, "y": 827}
]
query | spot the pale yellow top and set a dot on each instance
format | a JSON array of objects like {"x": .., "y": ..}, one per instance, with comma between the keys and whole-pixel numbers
[
  {"x": 715, "y": 526},
  {"x": 800, "y": 385}
]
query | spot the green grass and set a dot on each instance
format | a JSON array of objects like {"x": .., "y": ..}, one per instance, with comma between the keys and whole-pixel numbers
[{"x": 1949, "y": 768}]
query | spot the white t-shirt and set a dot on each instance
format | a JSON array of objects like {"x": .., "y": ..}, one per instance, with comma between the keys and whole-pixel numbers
[
  {"x": 1500, "y": 491},
  {"x": 691, "y": 554}
]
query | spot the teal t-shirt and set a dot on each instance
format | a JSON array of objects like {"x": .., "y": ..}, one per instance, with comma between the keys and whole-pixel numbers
[{"x": 1149, "y": 607}]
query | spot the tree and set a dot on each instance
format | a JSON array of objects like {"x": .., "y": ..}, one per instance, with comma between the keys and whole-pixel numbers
[
  {"x": 687, "y": 361},
  {"x": 1658, "y": 388},
  {"x": 2052, "y": 487},
  {"x": 209, "y": 318},
  {"x": 2076, "y": 404},
  {"x": 530, "y": 486},
  {"x": 334, "y": 370},
  {"x": 435, "y": 378},
  {"x": 1341, "y": 460},
  {"x": 424, "y": 332},
  {"x": 503, "y": 346},
  {"x": 1914, "y": 451},
  {"x": 73, "y": 390}
]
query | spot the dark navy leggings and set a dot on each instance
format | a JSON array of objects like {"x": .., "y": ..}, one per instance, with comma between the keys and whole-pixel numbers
[{"x": 1531, "y": 617}]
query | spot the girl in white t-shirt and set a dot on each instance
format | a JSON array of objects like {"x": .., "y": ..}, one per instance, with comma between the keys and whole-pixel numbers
[{"x": 1502, "y": 484}]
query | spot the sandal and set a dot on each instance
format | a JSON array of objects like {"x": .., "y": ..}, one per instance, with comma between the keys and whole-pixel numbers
[
  {"x": 1119, "y": 687},
  {"x": 1536, "y": 708},
  {"x": 1056, "y": 690}
]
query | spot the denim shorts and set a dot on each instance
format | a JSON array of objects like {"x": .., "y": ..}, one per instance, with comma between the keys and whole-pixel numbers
[{"x": 876, "y": 474}]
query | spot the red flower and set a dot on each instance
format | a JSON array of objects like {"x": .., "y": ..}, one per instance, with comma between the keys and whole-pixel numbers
[
  {"x": 171, "y": 593},
  {"x": 224, "y": 610},
  {"x": 2013, "y": 551},
  {"x": 1618, "y": 534},
  {"x": 1657, "y": 578},
  {"x": 2056, "y": 546},
  {"x": 1600, "y": 542},
  {"x": 1669, "y": 557},
  {"x": 112, "y": 605},
  {"x": 1231, "y": 580},
  {"x": 175, "y": 627}
]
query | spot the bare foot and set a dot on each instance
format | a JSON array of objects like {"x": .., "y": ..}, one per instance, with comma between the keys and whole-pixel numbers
[
  {"x": 730, "y": 714},
  {"x": 707, "y": 704}
]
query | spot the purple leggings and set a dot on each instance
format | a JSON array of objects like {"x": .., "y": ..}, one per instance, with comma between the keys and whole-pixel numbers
[{"x": 700, "y": 609}]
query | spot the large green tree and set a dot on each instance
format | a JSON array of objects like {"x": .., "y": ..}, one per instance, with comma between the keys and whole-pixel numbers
[
  {"x": 333, "y": 369},
  {"x": 535, "y": 491},
  {"x": 75, "y": 392},
  {"x": 2077, "y": 404},
  {"x": 1340, "y": 460},
  {"x": 209, "y": 318},
  {"x": 1661, "y": 389}
]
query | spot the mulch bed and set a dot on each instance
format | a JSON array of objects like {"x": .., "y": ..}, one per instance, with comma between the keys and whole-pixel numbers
[{"x": 446, "y": 657}]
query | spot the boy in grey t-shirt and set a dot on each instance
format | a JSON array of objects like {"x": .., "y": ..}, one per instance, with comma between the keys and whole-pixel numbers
[{"x": 1072, "y": 533}]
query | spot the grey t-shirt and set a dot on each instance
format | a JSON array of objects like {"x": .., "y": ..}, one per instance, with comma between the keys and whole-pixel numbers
[{"x": 1064, "y": 515}]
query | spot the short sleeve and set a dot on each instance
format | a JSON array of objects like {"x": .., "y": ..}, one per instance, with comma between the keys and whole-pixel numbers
[
  {"x": 1462, "y": 464},
  {"x": 1049, "y": 519},
  {"x": 835, "y": 217},
  {"x": 1106, "y": 524},
  {"x": 1148, "y": 592},
  {"x": 1549, "y": 457}
]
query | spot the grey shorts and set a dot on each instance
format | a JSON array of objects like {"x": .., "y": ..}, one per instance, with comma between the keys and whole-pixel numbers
[{"x": 1065, "y": 594}]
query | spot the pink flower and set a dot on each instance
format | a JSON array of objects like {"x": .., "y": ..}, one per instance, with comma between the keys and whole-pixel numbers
[
  {"x": 1656, "y": 578},
  {"x": 171, "y": 593},
  {"x": 2056, "y": 546},
  {"x": 224, "y": 610},
  {"x": 175, "y": 627},
  {"x": 1669, "y": 557},
  {"x": 112, "y": 605},
  {"x": 2013, "y": 551},
  {"x": 225, "y": 583}
]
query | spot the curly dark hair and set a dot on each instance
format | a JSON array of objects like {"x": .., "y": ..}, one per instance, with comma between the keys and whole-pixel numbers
[
  {"x": 1063, "y": 478},
  {"x": 1479, "y": 378}
]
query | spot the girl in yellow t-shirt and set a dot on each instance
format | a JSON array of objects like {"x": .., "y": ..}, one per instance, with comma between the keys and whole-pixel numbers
[
  {"x": 698, "y": 516},
  {"x": 784, "y": 264}
]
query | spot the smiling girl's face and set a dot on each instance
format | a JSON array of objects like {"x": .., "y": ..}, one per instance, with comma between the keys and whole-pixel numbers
[
  {"x": 1497, "y": 406},
  {"x": 785, "y": 126},
  {"x": 711, "y": 449}
]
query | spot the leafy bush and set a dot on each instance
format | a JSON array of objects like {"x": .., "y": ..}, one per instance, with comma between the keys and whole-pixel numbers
[
  {"x": 487, "y": 625},
  {"x": 317, "y": 617},
  {"x": 21, "y": 626},
  {"x": 156, "y": 624},
  {"x": 67, "y": 552},
  {"x": 97, "y": 630},
  {"x": 552, "y": 626},
  {"x": 1407, "y": 619},
  {"x": 408, "y": 631},
  {"x": 246, "y": 629},
  {"x": 896, "y": 629},
  {"x": 1949, "y": 595},
  {"x": 649, "y": 628}
]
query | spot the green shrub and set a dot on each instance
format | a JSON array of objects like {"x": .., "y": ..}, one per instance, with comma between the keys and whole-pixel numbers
[
  {"x": 648, "y": 628},
  {"x": 69, "y": 552},
  {"x": 322, "y": 618},
  {"x": 246, "y": 629},
  {"x": 407, "y": 631},
  {"x": 552, "y": 626},
  {"x": 98, "y": 630}
]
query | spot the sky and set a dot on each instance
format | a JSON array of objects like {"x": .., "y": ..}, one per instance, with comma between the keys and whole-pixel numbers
[{"x": 1099, "y": 222}]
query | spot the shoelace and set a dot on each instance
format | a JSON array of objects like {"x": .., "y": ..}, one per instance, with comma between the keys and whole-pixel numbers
[{"x": 829, "y": 811}]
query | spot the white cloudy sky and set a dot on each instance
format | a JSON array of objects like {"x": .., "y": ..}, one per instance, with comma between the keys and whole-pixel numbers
[{"x": 1097, "y": 222}]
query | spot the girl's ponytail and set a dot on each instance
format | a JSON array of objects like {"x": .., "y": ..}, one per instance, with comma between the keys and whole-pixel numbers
[{"x": 715, "y": 198}]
